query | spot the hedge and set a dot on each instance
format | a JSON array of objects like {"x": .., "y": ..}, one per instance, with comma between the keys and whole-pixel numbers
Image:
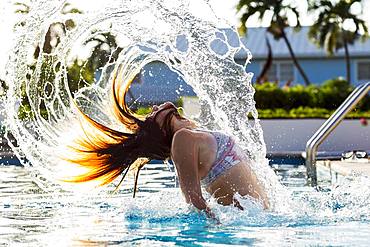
[
  {"x": 306, "y": 112},
  {"x": 330, "y": 95}
]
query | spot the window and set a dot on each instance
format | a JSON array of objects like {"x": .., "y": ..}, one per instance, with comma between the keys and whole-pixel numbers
[
  {"x": 286, "y": 72},
  {"x": 282, "y": 72},
  {"x": 363, "y": 71},
  {"x": 272, "y": 73}
]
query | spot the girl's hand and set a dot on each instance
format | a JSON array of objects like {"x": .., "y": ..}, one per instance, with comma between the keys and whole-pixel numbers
[{"x": 212, "y": 216}]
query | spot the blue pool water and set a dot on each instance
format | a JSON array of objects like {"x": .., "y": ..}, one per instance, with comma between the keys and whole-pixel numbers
[
  {"x": 34, "y": 212},
  {"x": 33, "y": 215}
]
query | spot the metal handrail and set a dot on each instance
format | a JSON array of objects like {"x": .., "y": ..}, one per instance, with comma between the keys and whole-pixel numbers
[{"x": 323, "y": 132}]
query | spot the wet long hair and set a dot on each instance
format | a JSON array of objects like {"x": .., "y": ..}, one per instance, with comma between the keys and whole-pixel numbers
[{"x": 107, "y": 153}]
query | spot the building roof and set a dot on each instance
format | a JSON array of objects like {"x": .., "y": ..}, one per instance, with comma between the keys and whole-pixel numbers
[{"x": 255, "y": 41}]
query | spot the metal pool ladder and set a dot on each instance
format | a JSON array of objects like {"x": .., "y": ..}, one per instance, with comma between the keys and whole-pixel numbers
[{"x": 323, "y": 132}]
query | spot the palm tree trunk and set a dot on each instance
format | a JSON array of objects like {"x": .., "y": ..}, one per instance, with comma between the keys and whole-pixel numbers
[
  {"x": 295, "y": 61},
  {"x": 267, "y": 65},
  {"x": 47, "y": 46},
  {"x": 348, "y": 63}
]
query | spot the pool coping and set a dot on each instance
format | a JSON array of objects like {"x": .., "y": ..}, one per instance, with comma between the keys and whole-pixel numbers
[{"x": 346, "y": 168}]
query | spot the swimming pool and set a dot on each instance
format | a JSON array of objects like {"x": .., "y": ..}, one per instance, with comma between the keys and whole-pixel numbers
[{"x": 31, "y": 216}]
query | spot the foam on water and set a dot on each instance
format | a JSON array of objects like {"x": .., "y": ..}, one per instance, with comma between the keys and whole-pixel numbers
[{"x": 200, "y": 47}]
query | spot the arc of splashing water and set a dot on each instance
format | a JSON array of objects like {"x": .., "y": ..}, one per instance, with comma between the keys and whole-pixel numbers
[{"x": 223, "y": 86}]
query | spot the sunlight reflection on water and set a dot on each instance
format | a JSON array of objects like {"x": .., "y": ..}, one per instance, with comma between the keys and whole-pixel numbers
[{"x": 158, "y": 217}]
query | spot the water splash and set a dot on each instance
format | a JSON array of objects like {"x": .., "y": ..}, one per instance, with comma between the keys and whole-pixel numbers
[{"x": 200, "y": 47}]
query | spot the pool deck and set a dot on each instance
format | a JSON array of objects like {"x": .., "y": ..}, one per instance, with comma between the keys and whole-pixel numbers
[{"x": 347, "y": 167}]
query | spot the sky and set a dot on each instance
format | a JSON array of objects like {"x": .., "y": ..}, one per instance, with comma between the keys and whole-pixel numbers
[{"x": 222, "y": 8}]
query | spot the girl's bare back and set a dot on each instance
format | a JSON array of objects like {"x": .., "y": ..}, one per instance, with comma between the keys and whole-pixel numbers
[{"x": 235, "y": 178}]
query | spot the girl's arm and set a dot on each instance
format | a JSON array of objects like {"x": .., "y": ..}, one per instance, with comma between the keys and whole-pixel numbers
[{"x": 185, "y": 151}]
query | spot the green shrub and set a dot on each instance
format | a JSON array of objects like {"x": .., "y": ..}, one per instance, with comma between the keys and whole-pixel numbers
[
  {"x": 269, "y": 95},
  {"x": 179, "y": 102},
  {"x": 273, "y": 113},
  {"x": 364, "y": 104},
  {"x": 330, "y": 95},
  {"x": 306, "y": 112},
  {"x": 297, "y": 96},
  {"x": 339, "y": 84},
  {"x": 2, "y": 130},
  {"x": 334, "y": 92},
  {"x": 143, "y": 110}
]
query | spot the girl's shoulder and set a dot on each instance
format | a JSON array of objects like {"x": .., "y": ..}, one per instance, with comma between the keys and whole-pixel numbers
[
  {"x": 185, "y": 134},
  {"x": 191, "y": 136}
]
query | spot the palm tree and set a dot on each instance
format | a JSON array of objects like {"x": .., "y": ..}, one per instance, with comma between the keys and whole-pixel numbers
[
  {"x": 105, "y": 49},
  {"x": 3, "y": 87},
  {"x": 278, "y": 21},
  {"x": 262, "y": 76},
  {"x": 329, "y": 30},
  {"x": 55, "y": 31},
  {"x": 52, "y": 40}
]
